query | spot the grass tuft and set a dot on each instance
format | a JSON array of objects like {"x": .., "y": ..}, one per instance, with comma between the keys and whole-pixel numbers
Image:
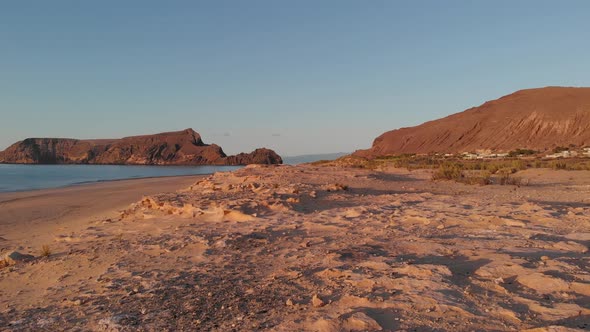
[
  {"x": 448, "y": 171},
  {"x": 45, "y": 251}
]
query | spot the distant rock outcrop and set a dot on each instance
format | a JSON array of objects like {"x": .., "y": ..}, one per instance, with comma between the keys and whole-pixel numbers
[
  {"x": 172, "y": 148},
  {"x": 538, "y": 119},
  {"x": 258, "y": 156}
]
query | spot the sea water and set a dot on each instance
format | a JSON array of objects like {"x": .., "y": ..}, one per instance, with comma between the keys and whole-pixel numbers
[{"x": 30, "y": 177}]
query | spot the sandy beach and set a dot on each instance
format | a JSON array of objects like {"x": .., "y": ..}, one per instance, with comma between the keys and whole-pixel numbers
[
  {"x": 308, "y": 248},
  {"x": 30, "y": 219},
  {"x": 302, "y": 166}
]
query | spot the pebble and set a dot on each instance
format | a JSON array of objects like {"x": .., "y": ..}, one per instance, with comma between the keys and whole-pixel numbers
[{"x": 317, "y": 302}]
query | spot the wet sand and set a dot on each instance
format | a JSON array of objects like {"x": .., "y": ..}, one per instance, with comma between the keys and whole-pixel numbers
[{"x": 32, "y": 218}]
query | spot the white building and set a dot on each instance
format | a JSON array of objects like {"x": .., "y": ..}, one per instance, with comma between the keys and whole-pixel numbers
[{"x": 562, "y": 154}]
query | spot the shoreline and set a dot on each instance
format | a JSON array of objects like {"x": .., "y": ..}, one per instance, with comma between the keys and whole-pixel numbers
[
  {"x": 61, "y": 179},
  {"x": 31, "y": 217},
  {"x": 83, "y": 183},
  {"x": 146, "y": 165}
]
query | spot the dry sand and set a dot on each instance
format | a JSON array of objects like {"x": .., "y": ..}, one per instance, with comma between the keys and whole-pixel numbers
[
  {"x": 30, "y": 219},
  {"x": 306, "y": 248}
]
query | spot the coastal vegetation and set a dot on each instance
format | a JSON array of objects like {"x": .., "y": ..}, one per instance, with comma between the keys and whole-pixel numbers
[
  {"x": 502, "y": 171},
  {"x": 413, "y": 162}
]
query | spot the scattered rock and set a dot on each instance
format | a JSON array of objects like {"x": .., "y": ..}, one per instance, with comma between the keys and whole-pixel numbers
[
  {"x": 16, "y": 257},
  {"x": 359, "y": 321},
  {"x": 551, "y": 328},
  {"x": 317, "y": 302},
  {"x": 335, "y": 187}
]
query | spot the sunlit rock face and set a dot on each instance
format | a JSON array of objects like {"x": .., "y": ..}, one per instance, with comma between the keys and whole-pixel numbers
[
  {"x": 538, "y": 119},
  {"x": 173, "y": 148}
]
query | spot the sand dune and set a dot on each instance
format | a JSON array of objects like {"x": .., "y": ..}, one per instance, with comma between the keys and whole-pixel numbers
[{"x": 306, "y": 248}]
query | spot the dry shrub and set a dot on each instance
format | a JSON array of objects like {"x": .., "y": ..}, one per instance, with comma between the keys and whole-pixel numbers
[
  {"x": 521, "y": 152},
  {"x": 505, "y": 177},
  {"x": 519, "y": 165},
  {"x": 45, "y": 251},
  {"x": 558, "y": 164},
  {"x": 483, "y": 178},
  {"x": 446, "y": 166},
  {"x": 455, "y": 172},
  {"x": 448, "y": 171}
]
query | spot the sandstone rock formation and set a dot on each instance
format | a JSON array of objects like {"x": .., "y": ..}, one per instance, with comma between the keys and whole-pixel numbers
[
  {"x": 173, "y": 148},
  {"x": 538, "y": 119}
]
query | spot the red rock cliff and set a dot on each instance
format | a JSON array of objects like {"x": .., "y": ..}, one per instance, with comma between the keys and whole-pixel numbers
[
  {"x": 538, "y": 119},
  {"x": 173, "y": 148}
]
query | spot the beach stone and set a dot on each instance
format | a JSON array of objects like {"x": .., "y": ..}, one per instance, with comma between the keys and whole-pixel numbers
[
  {"x": 359, "y": 321},
  {"x": 317, "y": 302},
  {"x": 15, "y": 257}
]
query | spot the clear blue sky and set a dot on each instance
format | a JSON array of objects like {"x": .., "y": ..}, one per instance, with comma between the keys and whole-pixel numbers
[{"x": 296, "y": 76}]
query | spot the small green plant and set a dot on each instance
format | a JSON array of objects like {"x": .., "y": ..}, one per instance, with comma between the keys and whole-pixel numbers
[
  {"x": 521, "y": 152},
  {"x": 45, "y": 251},
  {"x": 560, "y": 149}
]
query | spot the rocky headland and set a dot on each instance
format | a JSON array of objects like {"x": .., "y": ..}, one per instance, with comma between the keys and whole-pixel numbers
[{"x": 172, "y": 148}]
